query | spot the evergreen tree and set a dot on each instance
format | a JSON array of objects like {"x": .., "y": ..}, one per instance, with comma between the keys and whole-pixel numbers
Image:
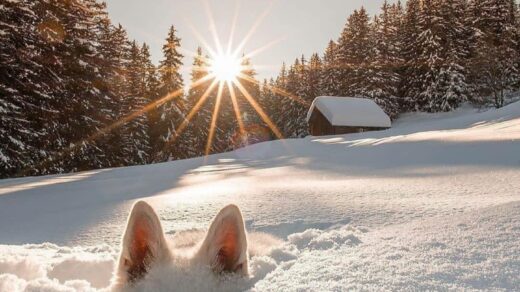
[
  {"x": 453, "y": 74},
  {"x": 152, "y": 95},
  {"x": 17, "y": 133},
  {"x": 494, "y": 62},
  {"x": 410, "y": 54},
  {"x": 439, "y": 82},
  {"x": 171, "y": 113},
  {"x": 198, "y": 130},
  {"x": 352, "y": 54},
  {"x": 314, "y": 74},
  {"x": 114, "y": 47},
  {"x": 251, "y": 85},
  {"x": 383, "y": 78},
  {"x": 72, "y": 29},
  {"x": 277, "y": 99},
  {"x": 135, "y": 142},
  {"x": 330, "y": 78},
  {"x": 291, "y": 122}
]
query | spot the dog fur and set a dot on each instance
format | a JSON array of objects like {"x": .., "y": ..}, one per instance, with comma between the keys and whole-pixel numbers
[{"x": 223, "y": 249}]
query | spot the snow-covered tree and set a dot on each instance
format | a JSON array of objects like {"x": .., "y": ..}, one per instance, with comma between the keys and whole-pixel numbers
[
  {"x": 330, "y": 75},
  {"x": 352, "y": 57},
  {"x": 437, "y": 76},
  {"x": 171, "y": 113},
  {"x": 17, "y": 132},
  {"x": 134, "y": 134},
  {"x": 495, "y": 55},
  {"x": 198, "y": 129},
  {"x": 383, "y": 78}
]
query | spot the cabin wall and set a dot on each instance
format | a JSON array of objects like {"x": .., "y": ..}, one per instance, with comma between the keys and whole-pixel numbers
[{"x": 319, "y": 125}]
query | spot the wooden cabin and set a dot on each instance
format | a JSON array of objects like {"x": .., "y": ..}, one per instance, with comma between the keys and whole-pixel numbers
[{"x": 332, "y": 115}]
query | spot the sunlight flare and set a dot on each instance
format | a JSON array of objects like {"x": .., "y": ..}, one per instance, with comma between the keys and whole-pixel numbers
[
  {"x": 214, "y": 119},
  {"x": 225, "y": 67},
  {"x": 259, "y": 110},
  {"x": 236, "y": 107}
]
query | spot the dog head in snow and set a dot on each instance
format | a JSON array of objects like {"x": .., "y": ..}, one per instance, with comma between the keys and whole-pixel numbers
[{"x": 223, "y": 248}]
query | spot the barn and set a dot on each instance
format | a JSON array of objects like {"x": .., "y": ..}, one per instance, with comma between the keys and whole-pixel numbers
[{"x": 333, "y": 115}]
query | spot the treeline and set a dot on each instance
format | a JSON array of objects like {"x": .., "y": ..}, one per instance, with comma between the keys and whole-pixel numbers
[
  {"x": 77, "y": 94},
  {"x": 429, "y": 55}
]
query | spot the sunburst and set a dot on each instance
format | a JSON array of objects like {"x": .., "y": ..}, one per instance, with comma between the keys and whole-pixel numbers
[
  {"x": 225, "y": 72},
  {"x": 225, "y": 67}
]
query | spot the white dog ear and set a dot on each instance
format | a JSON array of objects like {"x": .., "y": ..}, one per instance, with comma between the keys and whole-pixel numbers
[
  {"x": 225, "y": 245},
  {"x": 143, "y": 243}
]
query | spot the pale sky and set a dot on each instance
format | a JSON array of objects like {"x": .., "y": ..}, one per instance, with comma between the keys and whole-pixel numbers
[{"x": 304, "y": 26}]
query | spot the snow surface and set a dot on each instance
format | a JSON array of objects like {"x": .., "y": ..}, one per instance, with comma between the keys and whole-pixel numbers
[
  {"x": 350, "y": 111},
  {"x": 431, "y": 204}
]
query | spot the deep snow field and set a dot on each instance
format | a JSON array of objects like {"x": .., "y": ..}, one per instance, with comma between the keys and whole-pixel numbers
[{"x": 432, "y": 204}]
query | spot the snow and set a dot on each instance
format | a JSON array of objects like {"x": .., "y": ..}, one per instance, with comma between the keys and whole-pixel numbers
[
  {"x": 431, "y": 204},
  {"x": 350, "y": 111}
]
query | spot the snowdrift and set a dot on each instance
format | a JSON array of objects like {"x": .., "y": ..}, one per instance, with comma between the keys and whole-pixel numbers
[{"x": 433, "y": 203}]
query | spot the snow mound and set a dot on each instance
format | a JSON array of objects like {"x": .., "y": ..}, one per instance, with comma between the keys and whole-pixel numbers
[
  {"x": 431, "y": 204},
  {"x": 48, "y": 267}
]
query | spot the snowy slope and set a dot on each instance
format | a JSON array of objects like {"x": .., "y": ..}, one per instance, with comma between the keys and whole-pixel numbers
[{"x": 433, "y": 203}]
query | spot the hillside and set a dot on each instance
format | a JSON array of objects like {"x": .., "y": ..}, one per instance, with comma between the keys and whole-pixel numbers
[{"x": 433, "y": 203}]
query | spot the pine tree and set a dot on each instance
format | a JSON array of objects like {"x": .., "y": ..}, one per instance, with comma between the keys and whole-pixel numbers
[
  {"x": 291, "y": 122},
  {"x": 17, "y": 34},
  {"x": 352, "y": 56},
  {"x": 278, "y": 100},
  {"x": 198, "y": 130},
  {"x": 114, "y": 48},
  {"x": 330, "y": 78},
  {"x": 251, "y": 85},
  {"x": 453, "y": 75},
  {"x": 314, "y": 74},
  {"x": 152, "y": 96},
  {"x": 439, "y": 77},
  {"x": 494, "y": 62},
  {"x": 134, "y": 140},
  {"x": 410, "y": 53},
  {"x": 171, "y": 113},
  {"x": 383, "y": 78},
  {"x": 72, "y": 30}
]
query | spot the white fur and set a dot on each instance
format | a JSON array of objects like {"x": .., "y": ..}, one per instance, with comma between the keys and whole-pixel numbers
[{"x": 186, "y": 257}]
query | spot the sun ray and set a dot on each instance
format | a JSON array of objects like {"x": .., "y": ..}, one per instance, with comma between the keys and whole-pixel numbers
[
  {"x": 117, "y": 124},
  {"x": 233, "y": 27},
  {"x": 253, "y": 29},
  {"x": 230, "y": 82},
  {"x": 214, "y": 119},
  {"x": 201, "y": 39},
  {"x": 263, "y": 48},
  {"x": 213, "y": 27},
  {"x": 149, "y": 107},
  {"x": 236, "y": 107},
  {"x": 259, "y": 110},
  {"x": 276, "y": 90},
  {"x": 225, "y": 67},
  {"x": 191, "y": 114}
]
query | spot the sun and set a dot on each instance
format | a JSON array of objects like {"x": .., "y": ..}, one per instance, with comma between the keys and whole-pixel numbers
[{"x": 225, "y": 67}]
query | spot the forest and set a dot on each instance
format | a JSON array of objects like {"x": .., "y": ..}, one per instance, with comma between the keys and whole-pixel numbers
[{"x": 77, "y": 93}]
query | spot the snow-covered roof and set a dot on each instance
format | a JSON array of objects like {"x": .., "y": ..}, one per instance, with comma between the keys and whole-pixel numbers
[{"x": 350, "y": 111}]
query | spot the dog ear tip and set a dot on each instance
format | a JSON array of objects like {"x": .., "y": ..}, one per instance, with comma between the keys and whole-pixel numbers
[
  {"x": 141, "y": 205},
  {"x": 232, "y": 208}
]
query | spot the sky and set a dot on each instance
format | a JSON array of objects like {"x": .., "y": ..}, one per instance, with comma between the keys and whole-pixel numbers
[{"x": 288, "y": 28}]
